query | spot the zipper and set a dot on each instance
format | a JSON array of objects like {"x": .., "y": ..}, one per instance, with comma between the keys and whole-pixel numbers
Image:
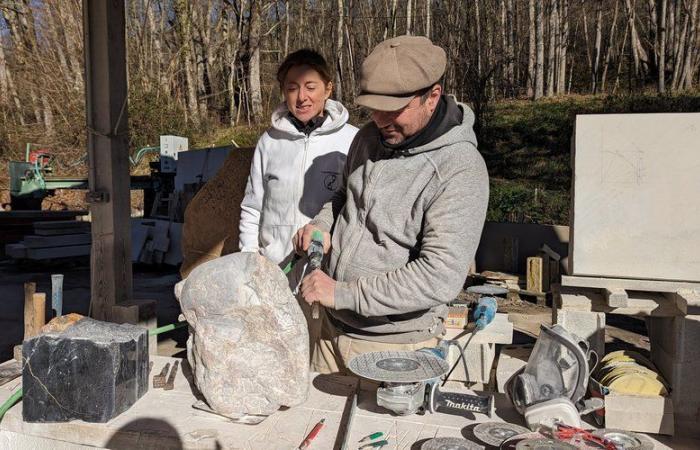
[
  {"x": 355, "y": 243},
  {"x": 300, "y": 184}
]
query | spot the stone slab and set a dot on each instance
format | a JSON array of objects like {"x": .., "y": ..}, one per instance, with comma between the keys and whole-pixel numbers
[
  {"x": 624, "y": 283},
  {"x": 34, "y": 241},
  {"x": 511, "y": 359},
  {"x": 499, "y": 331},
  {"x": 635, "y": 209}
]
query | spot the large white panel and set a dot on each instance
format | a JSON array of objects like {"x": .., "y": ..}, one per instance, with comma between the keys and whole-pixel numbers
[{"x": 637, "y": 196}]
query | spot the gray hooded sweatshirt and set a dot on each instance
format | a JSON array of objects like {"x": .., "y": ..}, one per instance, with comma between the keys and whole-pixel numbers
[{"x": 406, "y": 226}]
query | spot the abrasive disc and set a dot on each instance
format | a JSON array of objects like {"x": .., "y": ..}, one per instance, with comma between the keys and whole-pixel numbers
[
  {"x": 511, "y": 443},
  {"x": 543, "y": 444},
  {"x": 450, "y": 443},
  {"x": 494, "y": 433},
  {"x": 398, "y": 366},
  {"x": 626, "y": 439},
  {"x": 487, "y": 289}
]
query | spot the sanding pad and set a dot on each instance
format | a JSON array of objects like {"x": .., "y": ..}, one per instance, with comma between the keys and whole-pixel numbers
[
  {"x": 398, "y": 366},
  {"x": 626, "y": 439},
  {"x": 450, "y": 443},
  {"x": 494, "y": 433},
  {"x": 543, "y": 444}
]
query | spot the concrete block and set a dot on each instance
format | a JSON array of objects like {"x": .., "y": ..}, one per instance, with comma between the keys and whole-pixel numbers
[
  {"x": 499, "y": 331},
  {"x": 640, "y": 414},
  {"x": 512, "y": 359},
  {"x": 677, "y": 336},
  {"x": 479, "y": 358},
  {"x": 682, "y": 376},
  {"x": 586, "y": 325}
]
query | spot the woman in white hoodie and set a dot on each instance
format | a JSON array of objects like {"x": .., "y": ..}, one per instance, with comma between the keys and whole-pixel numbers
[{"x": 298, "y": 162}]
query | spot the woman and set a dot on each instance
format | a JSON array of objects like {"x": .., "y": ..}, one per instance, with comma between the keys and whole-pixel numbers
[{"x": 298, "y": 162}]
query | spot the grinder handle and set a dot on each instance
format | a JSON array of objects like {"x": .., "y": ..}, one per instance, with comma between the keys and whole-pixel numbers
[{"x": 460, "y": 404}]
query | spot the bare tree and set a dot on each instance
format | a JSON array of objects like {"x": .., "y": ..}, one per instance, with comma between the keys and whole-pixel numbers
[{"x": 539, "y": 69}]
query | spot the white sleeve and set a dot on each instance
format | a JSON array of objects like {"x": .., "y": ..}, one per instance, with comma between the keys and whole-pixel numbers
[{"x": 251, "y": 206}]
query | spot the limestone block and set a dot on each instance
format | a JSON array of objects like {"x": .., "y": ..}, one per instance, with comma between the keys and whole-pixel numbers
[
  {"x": 625, "y": 190},
  {"x": 586, "y": 325},
  {"x": 641, "y": 414},
  {"x": 512, "y": 359},
  {"x": 677, "y": 336},
  {"x": 249, "y": 342},
  {"x": 479, "y": 358},
  {"x": 92, "y": 371},
  {"x": 682, "y": 376}
]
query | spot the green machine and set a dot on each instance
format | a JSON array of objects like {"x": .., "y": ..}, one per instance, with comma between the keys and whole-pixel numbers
[{"x": 31, "y": 181}]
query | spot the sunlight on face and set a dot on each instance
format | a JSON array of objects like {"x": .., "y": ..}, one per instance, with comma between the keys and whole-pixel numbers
[
  {"x": 397, "y": 126},
  {"x": 305, "y": 92}
]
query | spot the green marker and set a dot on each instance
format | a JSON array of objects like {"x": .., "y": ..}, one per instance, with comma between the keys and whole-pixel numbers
[
  {"x": 377, "y": 444},
  {"x": 371, "y": 437}
]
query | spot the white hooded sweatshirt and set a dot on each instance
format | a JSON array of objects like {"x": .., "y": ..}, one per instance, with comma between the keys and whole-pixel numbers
[{"x": 291, "y": 177}]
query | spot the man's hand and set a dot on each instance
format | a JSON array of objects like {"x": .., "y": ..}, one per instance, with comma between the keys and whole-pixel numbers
[
  {"x": 302, "y": 239},
  {"x": 318, "y": 287}
]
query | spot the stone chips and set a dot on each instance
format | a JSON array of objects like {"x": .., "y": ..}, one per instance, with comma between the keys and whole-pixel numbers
[{"x": 249, "y": 342}]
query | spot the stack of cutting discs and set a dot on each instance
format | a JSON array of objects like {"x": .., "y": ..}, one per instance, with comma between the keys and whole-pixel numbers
[
  {"x": 625, "y": 439},
  {"x": 450, "y": 443},
  {"x": 628, "y": 372},
  {"x": 494, "y": 433}
]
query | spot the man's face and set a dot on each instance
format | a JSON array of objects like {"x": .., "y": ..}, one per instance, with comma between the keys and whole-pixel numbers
[{"x": 397, "y": 126}]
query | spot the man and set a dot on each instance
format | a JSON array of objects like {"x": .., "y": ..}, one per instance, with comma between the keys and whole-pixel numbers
[{"x": 407, "y": 219}]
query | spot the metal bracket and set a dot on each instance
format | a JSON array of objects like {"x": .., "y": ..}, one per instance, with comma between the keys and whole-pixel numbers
[{"x": 97, "y": 197}]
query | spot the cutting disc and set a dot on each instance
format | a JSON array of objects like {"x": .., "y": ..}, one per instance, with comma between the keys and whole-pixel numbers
[
  {"x": 626, "y": 439},
  {"x": 487, "y": 289},
  {"x": 398, "y": 366},
  {"x": 450, "y": 443},
  {"x": 543, "y": 444},
  {"x": 494, "y": 433}
]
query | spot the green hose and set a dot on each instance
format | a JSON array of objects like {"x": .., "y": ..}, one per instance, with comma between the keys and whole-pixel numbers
[
  {"x": 10, "y": 402},
  {"x": 17, "y": 395}
]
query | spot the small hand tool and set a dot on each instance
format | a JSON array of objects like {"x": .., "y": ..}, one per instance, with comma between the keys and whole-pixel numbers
[
  {"x": 371, "y": 437},
  {"x": 315, "y": 254},
  {"x": 312, "y": 435}
]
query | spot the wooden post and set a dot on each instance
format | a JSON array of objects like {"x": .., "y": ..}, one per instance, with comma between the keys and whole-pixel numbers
[
  {"x": 107, "y": 139},
  {"x": 34, "y": 310},
  {"x": 534, "y": 274}
]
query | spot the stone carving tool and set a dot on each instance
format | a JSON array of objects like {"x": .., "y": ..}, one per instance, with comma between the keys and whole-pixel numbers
[{"x": 315, "y": 254}]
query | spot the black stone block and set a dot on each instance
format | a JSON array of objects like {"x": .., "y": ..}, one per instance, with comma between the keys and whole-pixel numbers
[{"x": 92, "y": 371}]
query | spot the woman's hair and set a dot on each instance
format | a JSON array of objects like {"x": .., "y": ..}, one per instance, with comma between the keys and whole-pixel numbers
[{"x": 304, "y": 57}]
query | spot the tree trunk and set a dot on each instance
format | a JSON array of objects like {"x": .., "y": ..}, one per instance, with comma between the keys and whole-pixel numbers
[
  {"x": 428, "y": 17},
  {"x": 597, "y": 50},
  {"x": 532, "y": 51},
  {"x": 551, "y": 57},
  {"x": 339, "y": 53},
  {"x": 611, "y": 44},
  {"x": 563, "y": 46},
  {"x": 662, "y": 46},
  {"x": 184, "y": 31},
  {"x": 539, "y": 70},
  {"x": 254, "y": 64},
  {"x": 409, "y": 16}
]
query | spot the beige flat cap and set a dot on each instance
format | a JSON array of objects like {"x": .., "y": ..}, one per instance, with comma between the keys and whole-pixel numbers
[{"x": 396, "y": 69}]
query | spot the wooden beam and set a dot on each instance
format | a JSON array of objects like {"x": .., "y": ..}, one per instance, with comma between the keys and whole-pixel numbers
[{"x": 108, "y": 176}]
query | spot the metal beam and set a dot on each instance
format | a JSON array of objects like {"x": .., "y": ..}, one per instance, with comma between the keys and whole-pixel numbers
[{"x": 108, "y": 157}]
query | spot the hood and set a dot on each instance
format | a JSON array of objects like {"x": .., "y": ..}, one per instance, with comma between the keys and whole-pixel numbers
[
  {"x": 336, "y": 117},
  {"x": 463, "y": 132}
]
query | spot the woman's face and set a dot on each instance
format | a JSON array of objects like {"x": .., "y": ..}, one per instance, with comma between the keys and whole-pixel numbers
[{"x": 305, "y": 92}]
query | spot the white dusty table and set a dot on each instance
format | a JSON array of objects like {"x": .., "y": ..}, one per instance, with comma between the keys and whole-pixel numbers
[{"x": 166, "y": 420}]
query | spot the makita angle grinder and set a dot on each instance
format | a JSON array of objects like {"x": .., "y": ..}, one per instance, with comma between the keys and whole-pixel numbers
[{"x": 409, "y": 382}]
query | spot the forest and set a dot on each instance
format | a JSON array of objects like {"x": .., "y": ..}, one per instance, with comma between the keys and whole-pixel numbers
[{"x": 205, "y": 68}]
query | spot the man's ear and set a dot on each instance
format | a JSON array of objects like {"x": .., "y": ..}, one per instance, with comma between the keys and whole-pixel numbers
[{"x": 434, "y": 98}]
